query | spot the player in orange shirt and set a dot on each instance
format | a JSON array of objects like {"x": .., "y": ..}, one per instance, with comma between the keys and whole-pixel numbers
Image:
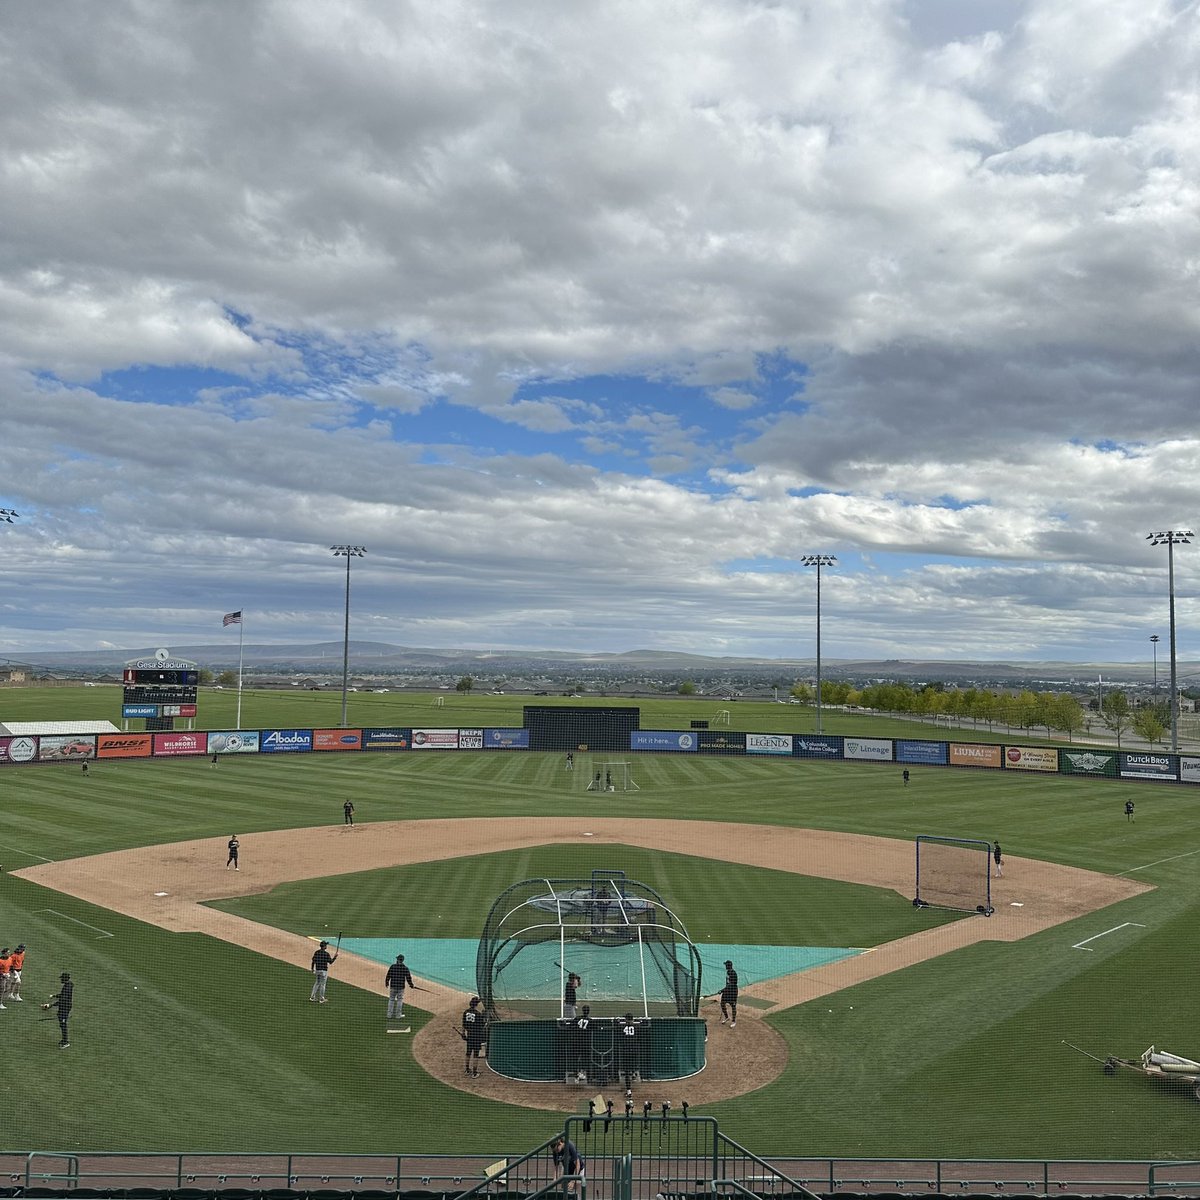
[
  {"x": 5, "y": 968},
  {"x": 14, "y": 972}
]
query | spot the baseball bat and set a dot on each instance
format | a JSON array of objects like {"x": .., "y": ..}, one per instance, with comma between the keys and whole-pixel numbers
[
  {"x": 338, "y": 948},
  {"x": 461, "y": 1034}
]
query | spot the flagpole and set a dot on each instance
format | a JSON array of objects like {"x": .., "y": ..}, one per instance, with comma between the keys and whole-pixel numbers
[{"x": 241, "y": 635}]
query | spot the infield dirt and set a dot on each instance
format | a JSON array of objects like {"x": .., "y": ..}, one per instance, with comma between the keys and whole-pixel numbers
[{"x": 165, "y": 885}]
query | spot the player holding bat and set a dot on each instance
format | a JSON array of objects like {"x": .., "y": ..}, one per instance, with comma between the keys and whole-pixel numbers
[
  {"x": 322, "y": 960},
  {"x": 397, "y": 979}
]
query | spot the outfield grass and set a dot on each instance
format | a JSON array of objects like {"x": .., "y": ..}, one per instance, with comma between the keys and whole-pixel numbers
[{"x": 180, "y": 1042}]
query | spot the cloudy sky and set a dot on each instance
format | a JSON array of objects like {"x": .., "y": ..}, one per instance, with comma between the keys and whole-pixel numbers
[{"x": 587, "y": 320}]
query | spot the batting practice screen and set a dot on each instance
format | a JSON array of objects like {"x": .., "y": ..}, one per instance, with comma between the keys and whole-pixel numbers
[
  {"x": 954, "y": 873},
  {"x": 560, "y": 728}
]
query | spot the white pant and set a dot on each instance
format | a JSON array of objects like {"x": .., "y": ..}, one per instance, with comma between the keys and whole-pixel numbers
[
  {"x": 318, "y": 992},
  {"x": 395, "y": 1002}
]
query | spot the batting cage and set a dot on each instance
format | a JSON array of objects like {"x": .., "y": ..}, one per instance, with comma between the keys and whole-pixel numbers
[
  {"x": 550, "y": 947},
  {"x": 954, "y": 873}
]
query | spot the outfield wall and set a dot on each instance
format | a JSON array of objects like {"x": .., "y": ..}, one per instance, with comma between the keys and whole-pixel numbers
[{"x": 1124, "y": 765}]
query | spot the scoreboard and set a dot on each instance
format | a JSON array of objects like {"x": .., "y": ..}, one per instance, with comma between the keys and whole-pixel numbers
[
  {"x": 160, "y": 689},
  {"x": 176, "y": 676}
]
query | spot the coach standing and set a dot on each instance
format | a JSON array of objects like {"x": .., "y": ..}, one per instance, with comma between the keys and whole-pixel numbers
[
  {"x": 729, "y": 996},
  {"x": 62, "y": 1001},
  {"x": 322, "y": 960},
  {"x": 398, "y": 978}
]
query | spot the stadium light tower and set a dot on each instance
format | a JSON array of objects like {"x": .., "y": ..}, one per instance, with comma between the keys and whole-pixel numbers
[
  {"x": 347, "y": 552},
  {"x": 1172, "y": 538},
  {"x": 818, "y": 561},
  {"x": 1154, "y": 647}
]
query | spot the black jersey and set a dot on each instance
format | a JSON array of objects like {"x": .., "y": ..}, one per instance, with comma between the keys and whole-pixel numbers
[
  {"x": 473, "y": 1024},
  {"x": 730, "y": 990},
  {"x": 322, "y": 960}
]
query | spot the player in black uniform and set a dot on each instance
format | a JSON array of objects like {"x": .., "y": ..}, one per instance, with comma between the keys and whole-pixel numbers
[
  {"x": 1128, "y": 810},
  {"x": 570, "y": 992},
  {"x": 232, "y": 861},
  {"x": 62, "y": 1001},
  {"x": 583, "y": 1042},
  {"x": 474, "y": 1026},
  {"x": 629, "y": 1059},
  {"x": 397, "y": 979},
  {"x": 322, "y": 960},
  {"x": 729, "y": 996},
  {"x": 348, "y": 813},
  {"x": 998, "y": 858}
]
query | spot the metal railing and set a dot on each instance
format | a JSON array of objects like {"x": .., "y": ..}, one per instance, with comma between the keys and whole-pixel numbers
[{"x": 628, "y": 1158}]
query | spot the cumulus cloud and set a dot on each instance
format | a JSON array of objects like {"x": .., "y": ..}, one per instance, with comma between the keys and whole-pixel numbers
[{"x": 590, "y": 320}]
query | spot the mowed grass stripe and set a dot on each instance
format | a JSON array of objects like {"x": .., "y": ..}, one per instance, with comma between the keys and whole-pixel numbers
[{"x": 960, "y": 1053}]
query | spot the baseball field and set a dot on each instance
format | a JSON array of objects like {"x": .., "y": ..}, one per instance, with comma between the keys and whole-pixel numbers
[{"x": 940, "y": 1036}]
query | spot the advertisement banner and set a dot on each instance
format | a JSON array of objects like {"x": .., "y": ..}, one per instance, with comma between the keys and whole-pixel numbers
[
  {"x": 1088, "y": 762},
  {"x": 506, "y": 739},
  {"x": 877, "y": 749},
  {"x": 18, "y": 749},
  {"x": 435, "y": 739},
  {"x": 975, "y": 754},
  {"x": 138, "y": 711},
  {"x": 124, "y": 745},
  {"x": 285, "y": 741},
  {"x": 167, "y": 744},
  {"x": 387, "y": 739},
  {"x": 709, "y": 741},
  {"x": 1189, "y": 770},
  {"x": 56, "y": 749},
  {"x": 1148, "y": 766},
  {"x": 935, "y": 754},
  {"x": 337, "y": 739},
  {"x": 819, "y": 745},
  {"x": 769, "y": 743},
  {"x": 233, "y": 741},
  {"x": 470, "y": 739},
  {"x": 661, "y": 739},
  {"x": 1031, "y": 758},
  {"x": 178, "y": 710}
]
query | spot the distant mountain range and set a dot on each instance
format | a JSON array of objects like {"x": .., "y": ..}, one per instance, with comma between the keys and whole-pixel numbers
[{"x": 383, "y": 658}]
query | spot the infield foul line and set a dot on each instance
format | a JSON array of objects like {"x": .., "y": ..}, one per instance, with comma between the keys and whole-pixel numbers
[
  {"x": 101, "y": 932},
  {"x": 27, "y": 853},
  {"x": 1124, "y": 925},
  {"x": 1147, "y": 866}
]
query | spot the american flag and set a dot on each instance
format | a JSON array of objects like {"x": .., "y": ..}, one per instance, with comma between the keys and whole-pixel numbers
[{"x": 232, "y": 618}]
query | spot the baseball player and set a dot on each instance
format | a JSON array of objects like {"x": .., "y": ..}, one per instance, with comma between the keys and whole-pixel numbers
[
  {"x": 62, "y": 1001},
  {"x": 14, "y": 972},
  {"x": 398, "y": 978},
  {"x": 729, "y": 996},
  {"x": 234, "y": 846},
  {"x": 322, "y": 960},
  {"x": 474, "y": 1025}
]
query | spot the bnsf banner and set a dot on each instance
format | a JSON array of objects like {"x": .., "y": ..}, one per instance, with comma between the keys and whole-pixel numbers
[{"x": 124, "y": 745}]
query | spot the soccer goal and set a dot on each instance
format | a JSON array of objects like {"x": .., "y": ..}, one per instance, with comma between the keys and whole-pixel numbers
[
  {"x": 611, "y": 776},
  {"x": 954, "y": 873}
]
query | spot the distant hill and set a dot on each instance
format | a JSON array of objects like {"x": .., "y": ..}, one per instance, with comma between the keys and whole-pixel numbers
[{"x": 384, "y": 658}]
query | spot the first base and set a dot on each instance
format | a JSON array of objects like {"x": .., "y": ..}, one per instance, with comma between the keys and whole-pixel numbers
[{"x": 406, "y": 1029}]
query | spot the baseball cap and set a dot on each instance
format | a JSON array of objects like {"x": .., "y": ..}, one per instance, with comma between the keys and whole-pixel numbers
[
  {"x": 324, "y": 943},
  {"x": 65, "y": 975},
  {"x": 729, "y": 962}
]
